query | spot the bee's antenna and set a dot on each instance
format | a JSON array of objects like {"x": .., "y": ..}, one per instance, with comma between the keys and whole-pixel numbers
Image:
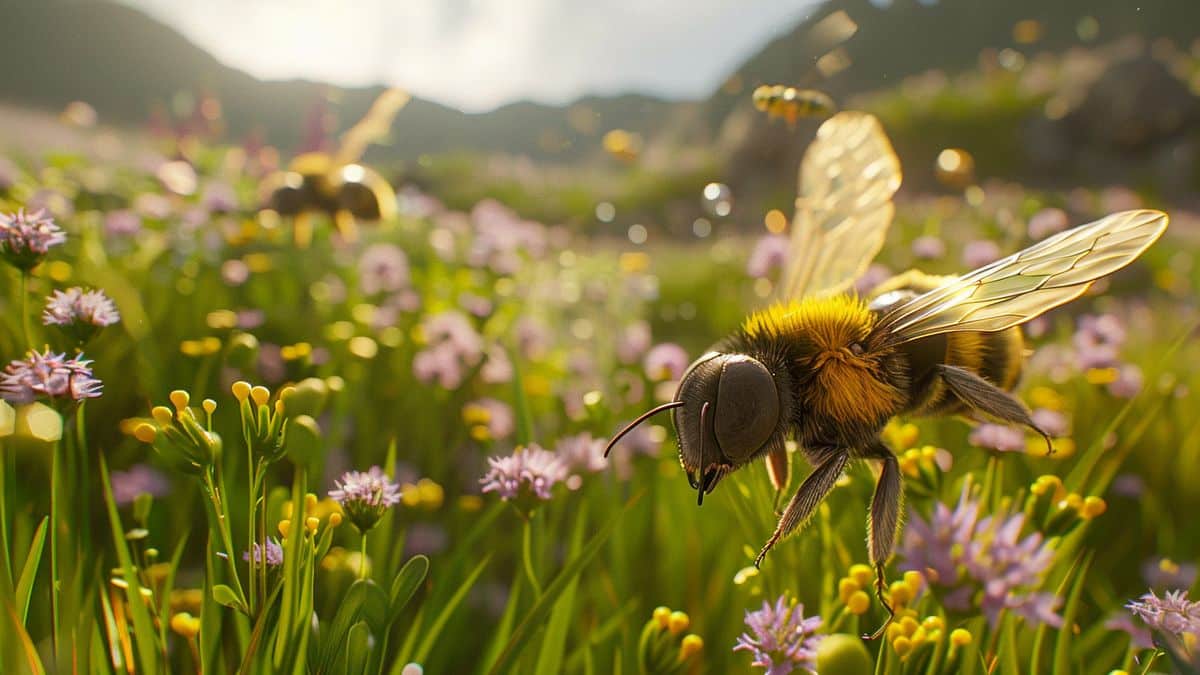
[
  {"x": 641, "y": 418},
  {"x": 703, "y": 474}
]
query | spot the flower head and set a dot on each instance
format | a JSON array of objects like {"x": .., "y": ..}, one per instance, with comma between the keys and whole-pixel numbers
[
  {"x": 769, "y": 254},
  {"x": 365, "y": 496},
  {"x": 979, "y": 253},
  {"x": 928, "y": 247},
  {"x": 80, "y": 313},
  {"x": 137, "y": 480},
  {"x": 271, "y": 550},
  {"x": 49, "y": 375},
  {"x": 963, "y": 551},
  {"x": 780, "y": 638},
  {"x": 531, "y": 470},
  {"x": 1172, "y": 613},
  {"x": 665, "y": 361},
  {"x": 26, "y": 238},
  {"x": 383, "y": 267},
  {"x": 997, "y": 437}
]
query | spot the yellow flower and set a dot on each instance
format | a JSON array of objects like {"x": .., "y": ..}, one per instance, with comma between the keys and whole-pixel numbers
[
  {"x": 691, "y": 645},
  {"x": 185, "y": 624},
  {"x": 858, "y": 603},
  {"x": 1092, "y": 507},
  {"x": 662, "y": 615},
  {"x": 863, "y": 574},
  {"x": 678, "y": 622},
  {"x": 960, "y": 637},
  {"x": 902, "y": 645},
  {"x": 846, "y": 588}
]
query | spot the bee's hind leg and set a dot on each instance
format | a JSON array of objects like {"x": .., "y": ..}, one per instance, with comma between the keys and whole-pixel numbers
[
  {"x": 985, "y": 397},
  {"x": 884, "y": 523},
  {"x": 811, "y": 493}
]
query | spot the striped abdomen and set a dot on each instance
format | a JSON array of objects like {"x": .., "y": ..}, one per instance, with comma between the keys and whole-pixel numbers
[{"x": 996, "y": 357}]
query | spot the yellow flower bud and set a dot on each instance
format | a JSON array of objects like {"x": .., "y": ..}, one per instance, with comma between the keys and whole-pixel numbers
[
  {"x": 260, "y": 395},
  {"x": 858, "y": 603},
  {"x": 310, "y": 502},
  {"x": 286, "y": 393},
  {"x": 145, "y": 433},
  {"x": 909, "y": 625},
  {"x": 691, "y": 645},
  {"x": 1092, "y": 506},
  {"x": 902, "y": 645},
  {"x": 929, "y": 454},
  {"x": 960, "y": 637},
  {"x": 162, "y": 415},
  {"x": 935, "y": 635},
  {"x": 1071, "y": 501},
  {"x": 312, "y": 523},
  {"x": 901, "y": 593},
  {"x": 678, "y": 622},
  {"x": 335, "y": 519},
  {"x": 285, "y": 526},
  {"x": 185, "y": 624},
  {"x": 932, "y": 623},
  {"x": 863, "y": 574},
  {"x": 209, "y": 405},
  {"x": 241, "y": 390},
  {"x": 179, "y": 399},
  {"x": 918, "y": 637},
  {"x": 914, "y": 581},
  {"x": 846, "y": 588},
  {"x": 661, "y": 615}
]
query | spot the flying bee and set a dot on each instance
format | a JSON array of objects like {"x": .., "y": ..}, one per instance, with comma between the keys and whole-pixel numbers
[
  {"x": 335, "y": 184},
  {"x": 829, "y": 369},
  {"x": 791, "y": 103}
]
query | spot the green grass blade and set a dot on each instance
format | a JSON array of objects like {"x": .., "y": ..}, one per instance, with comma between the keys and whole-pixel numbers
[
  {"x": 29, "y": 572},
  {"x": 405, "y": 585},
  {"x": 550, "y": 656},
  {"x": 143, "y": 625},
  {"x": 521, "y": 411},
  {"x": 1062, "y": 645},
  {"x": 435, "y": 629},
  {"x": 537, "y": 614}
]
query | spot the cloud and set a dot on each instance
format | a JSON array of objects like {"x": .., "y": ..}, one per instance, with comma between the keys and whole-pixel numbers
[{"x": 477, "y": 54}]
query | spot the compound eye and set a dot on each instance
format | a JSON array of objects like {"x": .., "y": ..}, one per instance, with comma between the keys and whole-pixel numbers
[{"x": 747, "y": 410}]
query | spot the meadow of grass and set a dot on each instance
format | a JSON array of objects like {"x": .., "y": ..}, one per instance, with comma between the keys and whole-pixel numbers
[{"x": 181, "y": 518}]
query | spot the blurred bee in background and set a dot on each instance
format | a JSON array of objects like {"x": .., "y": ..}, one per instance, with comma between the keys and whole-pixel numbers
[
  {"x": 335, "y": 184},
  {"x": 829, "y": 369},
  {"x": 790, "y": 103}
]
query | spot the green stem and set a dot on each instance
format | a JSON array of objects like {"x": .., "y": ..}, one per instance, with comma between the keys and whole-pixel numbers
[
  {"x": 222, "y": 526},
  {"x": 527, "y": 556},
  {"x": 25, "y": 325},
  {"x": 6, "y": 563},
  {"x": 252, "y": 530},
  {"x": 362, "y": 561}
]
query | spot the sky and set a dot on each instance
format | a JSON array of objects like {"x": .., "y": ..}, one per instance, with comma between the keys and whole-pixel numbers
[{"x": 479, "y": 54}]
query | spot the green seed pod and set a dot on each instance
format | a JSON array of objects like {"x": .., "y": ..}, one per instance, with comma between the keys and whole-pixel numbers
[{"x": 841, "y": 654}]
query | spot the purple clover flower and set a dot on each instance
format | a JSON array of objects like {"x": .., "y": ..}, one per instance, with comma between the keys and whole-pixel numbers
[
  {"x": 665, "y": 362},
  {"x": 876, "y": 274},
  {"x": 1097, "y": 340},
  {"x": 50, "y": 375},
  {"x": 383, "y": 268},
  {"x": 80, "y": 313},
  {"x": 26, "y": 238},
  {"x": 1047, "y": 222},
  {"x": 365, "y": 495},
  {"x": 780, "y": 638},
  {"x": 271, "y": 550},
  {"x": 529, "y": 470},
  {"x": 963, "y": 553},
  {"x": 1173, "y": 613},
  {"x": 634, "y": 340}
]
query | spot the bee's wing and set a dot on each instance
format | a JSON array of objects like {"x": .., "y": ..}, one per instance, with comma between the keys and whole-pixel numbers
[
  {"x": 847, "y": 179},
  {"x": 1018, "y": 288}
]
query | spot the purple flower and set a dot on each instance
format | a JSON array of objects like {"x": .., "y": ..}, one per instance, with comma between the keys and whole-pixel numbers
[
  {"x": 1138, "y": 635},
  {"x": 50, "y": 375},
  {"x": 497, "y": 369},
  {"x": 26, "y": 238},
  {"x": 928, "y": 247},
  {"x": 1128, "y": 383},
  {"x": 768, "y": 255},
  {"x": 453, "y": 347},
  {"x": 1173, "y": 613},
  {"x": 666, "y": 361},
  {"x": 1052, "y": 422},
  {"x": 529, "y": 470},
  {"x": 997, "y": 437},
  {"x": 582, "y": 452},
  {"x": 1047, "y": 222},
  {"x": 979, "y": 253},
  {"x": 365, "y": 495},
  {"x": 495, "y": 416},
  {"x": 383, "y": 268},
  {"x": 271, "y": 549},
  {"x": 962, "y": 552},
  {"x": 80, "y": 313},
  {"x": 780, "y": 638},
  {"x": 122, "y": 223},
  {"x": 220, "y": 197},
  {"x": 139, "y": 479},
  {"x": 634, "y": 340},
  {"x": 1166, "y": 573},
  {"x": 876, "y": 274},
  {"x": 1097, "y": 340},
  {"x": 533, "y": 338}
]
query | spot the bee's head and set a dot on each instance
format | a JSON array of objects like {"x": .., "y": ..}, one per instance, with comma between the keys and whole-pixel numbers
[{"x": 726, "y": 411}]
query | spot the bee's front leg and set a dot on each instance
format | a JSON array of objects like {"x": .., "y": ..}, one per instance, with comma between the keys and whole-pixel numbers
[
  {"x": 884, "y": 522},
  {"x": 810, "y": 494}
]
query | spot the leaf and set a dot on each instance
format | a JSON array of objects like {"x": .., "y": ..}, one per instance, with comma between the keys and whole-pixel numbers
[
  {"x": 32, "y": 663},
  {"x": 405, "y": 585},
  {"x": 537, "y": 613},
  {"x": 358, "y": 649},
  {"x": 435, "y": 629},
  {"x": 225, "y": 596},
  {"x": 524, "y": 417},
  {"x": 550, "y": 656},
  {"x": 143, "y": 626},
  {"x": 29, "y": 572},
  {"x": 1062, "y": 645},
  {"x": 365, "y": 601}
]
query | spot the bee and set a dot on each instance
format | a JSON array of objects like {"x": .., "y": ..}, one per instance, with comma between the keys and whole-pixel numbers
[
  {"x": 791, "y": 103},
  {"x": 335, "y": 184},
  {"x": 828, "y": 369}
]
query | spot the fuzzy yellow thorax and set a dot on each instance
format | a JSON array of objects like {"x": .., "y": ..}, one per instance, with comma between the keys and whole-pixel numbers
[{"x": 829, "y": 322}]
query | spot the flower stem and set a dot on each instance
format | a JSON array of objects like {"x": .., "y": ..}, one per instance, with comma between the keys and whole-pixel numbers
[
  {"x": 362, "y": 561},
  {"x": 527, "y": 556},
  {"x": 220, "y": 522},
  {"x": 25, "y": 325}
]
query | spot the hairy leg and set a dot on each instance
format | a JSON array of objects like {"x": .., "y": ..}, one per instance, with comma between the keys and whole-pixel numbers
[
  {"x": 804, "y": 503},
  {"x": 983, "y": 396},
  {"x": 884, "y": 522}
]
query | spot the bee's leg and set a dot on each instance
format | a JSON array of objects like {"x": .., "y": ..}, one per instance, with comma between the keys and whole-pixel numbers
[
  {"x": 779, "y": 471},
  {"x": 804, "y": 503},
  {"x": 987, "y": 398},
  {"x": 884, "y": 522}
]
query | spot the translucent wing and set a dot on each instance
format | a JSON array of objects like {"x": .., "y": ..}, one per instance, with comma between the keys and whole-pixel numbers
[
  {"x": 1022, "y": 286},
  {"x": 847, "y": 179}
]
